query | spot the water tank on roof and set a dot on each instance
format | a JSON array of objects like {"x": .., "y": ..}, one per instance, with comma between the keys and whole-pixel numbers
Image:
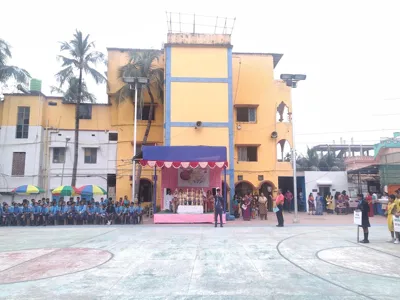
[{"x": 35, "y": 85}]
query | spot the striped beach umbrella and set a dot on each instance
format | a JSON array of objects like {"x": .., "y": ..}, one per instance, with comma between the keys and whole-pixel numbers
[
  {"x": 65, "y": 190},
  {"x": 91, "y": 190},
  {"x": 28, "y": 190}
]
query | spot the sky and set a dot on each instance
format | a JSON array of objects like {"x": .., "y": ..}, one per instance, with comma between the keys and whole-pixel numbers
[{"x": 349, "y": 51}]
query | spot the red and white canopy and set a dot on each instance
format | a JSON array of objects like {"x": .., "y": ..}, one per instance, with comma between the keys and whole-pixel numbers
[{"x": 181, "y": 164}]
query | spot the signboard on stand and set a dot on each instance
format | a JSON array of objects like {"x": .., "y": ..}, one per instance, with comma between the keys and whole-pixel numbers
[
  {"x": 396, "y": 223},
  {"x": 357, "y": 218}
]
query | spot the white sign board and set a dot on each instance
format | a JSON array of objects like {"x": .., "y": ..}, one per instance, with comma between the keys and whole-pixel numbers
[
  {"x": 357, "y": 218},
  {"x": 193, "y": 178},
  {"x": 396, "y": 223}
]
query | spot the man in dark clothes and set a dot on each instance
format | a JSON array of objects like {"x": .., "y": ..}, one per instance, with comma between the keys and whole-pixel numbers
[
  {"x": 364, "y": 207},
  {"x": 219, "y": 206}
]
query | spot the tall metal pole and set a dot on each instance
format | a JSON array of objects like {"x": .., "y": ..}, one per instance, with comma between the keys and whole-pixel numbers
[
  {"x": 65, "y": 158},
  {"x": 134, "y": 198},
  {"x": 296, "y": 217}
]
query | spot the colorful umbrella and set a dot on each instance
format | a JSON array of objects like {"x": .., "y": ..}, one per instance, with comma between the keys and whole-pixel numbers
[
  {"x": 27, "y": 190},
  {"x": 65, "y": 190},
  {"x": 91, "y": 190}
]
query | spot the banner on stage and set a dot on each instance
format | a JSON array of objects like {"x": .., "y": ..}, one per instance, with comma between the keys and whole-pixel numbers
[
  {"x": 396, "y": 223},
  {"x": 194, "y": 178},
  {"x": 357, "y": 218}
]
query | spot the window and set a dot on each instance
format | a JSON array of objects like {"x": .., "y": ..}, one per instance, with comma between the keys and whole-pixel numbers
[
  {"x": 18, "y": 164},
  {"x": 246, "y": 114},
  {"x": 58, "y": 155},
  {"x": 90, "y": 155},
  {"x": 146, "y": 112},
  {"x": 113, "y": 136},
  {"x": 247, "y": 153},
  {"x": 23, "y": 122},
  {"x": 85, "y": 112}
]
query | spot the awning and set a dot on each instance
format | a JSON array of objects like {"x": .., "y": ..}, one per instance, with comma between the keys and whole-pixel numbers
[
  {"x": 184, "y": 157},
  {"x": 324, "y": 181}
]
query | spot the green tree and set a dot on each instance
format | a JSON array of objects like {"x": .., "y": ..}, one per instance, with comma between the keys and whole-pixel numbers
[
  {"x": 70, "y": 95},
  {"x": 81, "y": 59},
  {"x": 8, "y": 72},
  {"x": 143, "y": 64}
]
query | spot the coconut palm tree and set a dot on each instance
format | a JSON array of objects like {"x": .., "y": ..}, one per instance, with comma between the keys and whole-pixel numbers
[
  {"x": 70, "y": 95},
  {"x": 7, "y": 72},
  {"x": 81, "y": 59},
  {"x": 143, "y": 64}
]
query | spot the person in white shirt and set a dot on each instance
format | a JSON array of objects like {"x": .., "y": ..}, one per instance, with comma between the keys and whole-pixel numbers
[{"x": 168, "y": 200}]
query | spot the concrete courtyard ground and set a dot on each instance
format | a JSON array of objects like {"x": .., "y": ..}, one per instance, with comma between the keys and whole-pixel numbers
[{"x": 243, "y": 260}]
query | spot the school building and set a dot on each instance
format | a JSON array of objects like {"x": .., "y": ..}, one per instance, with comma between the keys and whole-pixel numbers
[{"x": 212, "y": 96}]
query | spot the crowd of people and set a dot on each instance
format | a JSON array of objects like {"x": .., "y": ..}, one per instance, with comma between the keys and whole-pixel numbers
[
  {"x": 43, "y": 212},
  {"x": 339, "y": 203}
]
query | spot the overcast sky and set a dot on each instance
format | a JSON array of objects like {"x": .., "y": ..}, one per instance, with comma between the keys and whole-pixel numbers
[{"x": 350, "y": 50}]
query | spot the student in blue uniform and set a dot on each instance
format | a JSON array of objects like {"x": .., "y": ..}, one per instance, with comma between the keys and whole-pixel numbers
[
  {"x": 131, "y": 213},
  {"x": 110, "y": 213},
  {"x": 53, "y": 212},
  {"x": 44, "y": 213},
  {"x": 25, "y": 214},
  {"x": 62, "y": 212},
  {"x": 102, "y": 214},
  {"x": 118, "y": 213},
  {"x": 90, "y": 214},
  {"x": 139, "y": 212},
  {"x": 6, "y": 215},
  {"x": 81, "y": 212},
  {"x": 36, "y": 210},
  {"x": 72, "y": 211},
  {"x": 125, "y": 214}
]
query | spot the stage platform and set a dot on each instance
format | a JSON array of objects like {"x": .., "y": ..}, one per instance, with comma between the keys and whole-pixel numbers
[{"x": 186, "y": 218}]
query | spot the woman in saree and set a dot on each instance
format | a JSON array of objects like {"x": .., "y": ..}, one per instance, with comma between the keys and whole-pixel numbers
[
  {"x": 391, "y": 211},
  {"x": 246, "y": 208},
  {"x": 319, "y": 205},
  {"x": 311, "y": 204},
  {"x": 262, "y": 206}
]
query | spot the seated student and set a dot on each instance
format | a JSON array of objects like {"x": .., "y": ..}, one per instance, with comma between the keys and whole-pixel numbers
[
  {"x": 131, "y": 213},
  {"x": 53, "y": 213},
  {"x": 96, "y": 212},
  {"x": 125, "y": 214},
  {"x": 110, "y": 213},
  {"x": 126, "y": 201},
  {"x": 138, "y": 214},
  {"x": 62, "y": 212},
  {"x": 90, "y": 214},
  {"x": 102, "y": 215},
  {"x": 101, "y": 202},
  {"x": 72, "y": 212},
  {"x": 1, "y": 215},
  {"x": 6, "y": 215},
  {"x": 25, "y": 214},
  {"x": 44, "y": 213},
  {"x": 118, "y": 213},
  {"x": 81, "y": 212},
  {"x": 15, "y": 214},
  {"x": 36, "y": 210}
]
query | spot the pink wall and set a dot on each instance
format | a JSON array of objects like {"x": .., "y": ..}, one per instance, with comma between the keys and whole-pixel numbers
[{"x": 169, "y": 179}]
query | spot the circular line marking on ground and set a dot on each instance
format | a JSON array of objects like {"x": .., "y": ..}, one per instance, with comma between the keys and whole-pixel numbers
[
  {"x": 38, "y": 264},
  {"x": 313, "y": 274}
]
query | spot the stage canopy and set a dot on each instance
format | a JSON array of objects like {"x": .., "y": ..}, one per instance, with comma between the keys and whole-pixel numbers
[{"x": 184, "y": 157}]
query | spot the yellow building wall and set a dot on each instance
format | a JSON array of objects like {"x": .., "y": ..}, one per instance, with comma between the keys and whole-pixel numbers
[
  {"x": 203, "y": 62},
  {"x": 122, "y": 120},
  {"x": 256, "y": 86},
  {"x": 194, "y": 101},
  {"x": 10, "y": 109}
]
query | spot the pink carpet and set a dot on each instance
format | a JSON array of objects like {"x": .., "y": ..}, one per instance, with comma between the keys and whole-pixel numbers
[{"x": 185, "y": 218}]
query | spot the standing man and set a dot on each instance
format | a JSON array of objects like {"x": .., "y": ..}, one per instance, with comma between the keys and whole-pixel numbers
[
  {"x": 280, "y": 199},
  {"x": 289, "y": 198},
  {"x": 219, "y": 206}
]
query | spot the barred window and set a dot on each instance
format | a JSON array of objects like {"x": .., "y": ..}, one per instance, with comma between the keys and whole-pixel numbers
[
  {"x": 22, "y": 122},
  {"x": 18, "y": 164}
]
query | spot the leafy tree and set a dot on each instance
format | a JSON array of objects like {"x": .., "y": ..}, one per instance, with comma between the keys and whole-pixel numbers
[
  {"x": 70, "y": 95},
  {"x": 81, "y": 59}
]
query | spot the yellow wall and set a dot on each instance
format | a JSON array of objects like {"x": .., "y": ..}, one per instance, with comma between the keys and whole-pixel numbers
[
  {"x": 194, "y": 101},
  {"x": 203, "y": 62},
  {"x": 122, "y": 119},
  {"x": 256, "y": 86},
  {"x": 10, "y": 109}
]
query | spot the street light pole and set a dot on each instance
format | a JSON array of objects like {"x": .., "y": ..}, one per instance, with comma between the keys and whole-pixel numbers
[
  {"x": 65, "y": 158},
  {"x": 134, "y": 148},
  {"x": 291, "y": 81}
]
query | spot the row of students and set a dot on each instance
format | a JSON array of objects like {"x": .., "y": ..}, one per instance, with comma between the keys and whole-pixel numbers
[{"x": 38, "y": 213}]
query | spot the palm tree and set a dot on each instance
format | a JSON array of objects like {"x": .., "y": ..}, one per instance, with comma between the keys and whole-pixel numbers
[
  {"x": 70, "y": 95},
  {"x": 143, "y": 64},
  {"x": 82, "y": 58},
  {"x": 7, "y": 72}
]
